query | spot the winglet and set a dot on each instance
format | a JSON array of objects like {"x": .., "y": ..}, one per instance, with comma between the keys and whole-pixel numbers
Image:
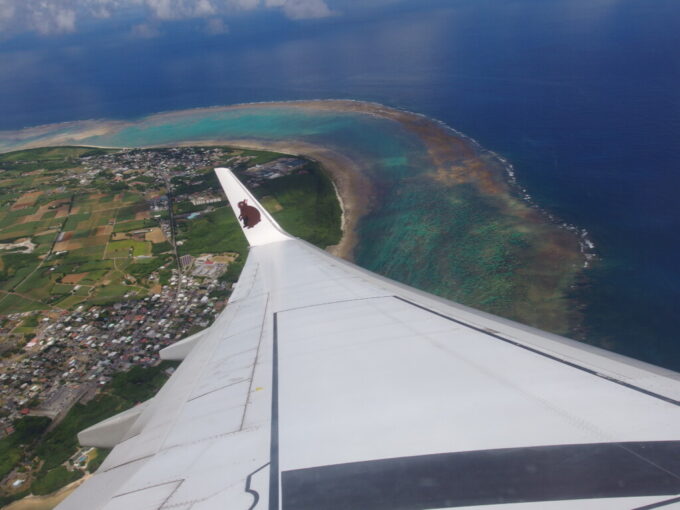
[{"x": 257, "y": 224}]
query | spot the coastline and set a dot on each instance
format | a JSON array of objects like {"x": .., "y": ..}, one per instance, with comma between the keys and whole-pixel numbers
[
  {"x": 353, "y": 188},
  {"x": 47, "y": 502},
  {"x": 551, "y": 265},
  {"x": 446, "y": 145},
  {"x": 449, "y": 150}
]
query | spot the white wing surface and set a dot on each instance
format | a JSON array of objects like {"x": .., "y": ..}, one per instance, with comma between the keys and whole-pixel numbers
[{"x": 323, "y": 386}]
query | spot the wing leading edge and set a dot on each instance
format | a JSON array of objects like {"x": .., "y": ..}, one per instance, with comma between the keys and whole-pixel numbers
[{"x": 324, "y": 386}]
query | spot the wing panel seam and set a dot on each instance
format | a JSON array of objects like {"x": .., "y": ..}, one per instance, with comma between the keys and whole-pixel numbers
[{"x": 590, "y": 371}]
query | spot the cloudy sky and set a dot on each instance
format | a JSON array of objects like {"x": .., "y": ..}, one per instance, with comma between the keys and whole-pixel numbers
[{"x": 146, "y": 17}]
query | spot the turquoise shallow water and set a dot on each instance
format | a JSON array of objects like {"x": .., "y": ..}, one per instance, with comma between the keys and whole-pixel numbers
[
  {"x": 419, "y": 231},
  {"x": 390, "y": 149}
]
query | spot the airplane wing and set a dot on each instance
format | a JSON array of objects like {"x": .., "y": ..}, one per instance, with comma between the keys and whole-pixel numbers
[{"x": 323, "y": 386}]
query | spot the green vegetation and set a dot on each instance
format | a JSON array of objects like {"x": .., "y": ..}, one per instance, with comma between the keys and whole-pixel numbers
[
  {"x": 55, "y": 447},
  {"x": 310, "y": 207},
  {"x": 139, "y": 384},
  {"x": 14, "y": 267},
  {"x": 27, "y": 432},
  {"x": 53, "y": 480},
  {"x": 128, "y": 248},
  {"x": 144, "y": 267},
  {"x": 129, "y": 212},
  {"x": 218, "y": 230},
  {"x": 158, "y": 248},
  {"x": 112, "y": 293},
  {"x": 129, "y": 225},
  {"x": 101, "y": 454},
  {"x": 11, "y": 303},
  {"x": 85, "y": 216},
  {"x": 259, "y": 157},
  {"x": 46, "y": 158},
  {"x": 126, "y": 389}
]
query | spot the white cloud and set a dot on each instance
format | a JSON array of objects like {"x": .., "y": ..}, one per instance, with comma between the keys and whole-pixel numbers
[
  {"x": 65, "y": 20},
  {"x": 7, "y": 10},
  {"x": 62, "y": 16},
  {"x": 144, "y": 31},
  {"x": 302, "y": 9},
  {"x": 306, "y": 9},
  {"x": 216, "y": 26},
  {"x": 48, "y": 19}
]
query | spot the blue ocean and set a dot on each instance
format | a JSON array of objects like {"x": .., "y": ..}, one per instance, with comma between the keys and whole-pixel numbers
[{"x": 582, "y": 96}]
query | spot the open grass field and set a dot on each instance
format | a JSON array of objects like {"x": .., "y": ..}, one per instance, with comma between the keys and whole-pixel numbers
[
  {"x": 38, "y": 285},
  {"x": 218, "y": 230},
  {"x": 126, "y": 226},
  {"x": 113, "y": 293},
  {"x": 155, "y": 235},
  {"x": 70, "y": 302},
  {"x": 11, "y": 303},
  {"x": 18, "y": 230},
  {"x": 127, "y": 248}
]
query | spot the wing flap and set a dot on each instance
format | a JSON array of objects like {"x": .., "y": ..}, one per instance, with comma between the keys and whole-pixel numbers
[
  {"x": 180, "y": 350},
  {"x": 108, "y": 433}
]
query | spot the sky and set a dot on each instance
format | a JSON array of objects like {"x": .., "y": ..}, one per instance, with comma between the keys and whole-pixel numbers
[{"x": 148, "y": 18}]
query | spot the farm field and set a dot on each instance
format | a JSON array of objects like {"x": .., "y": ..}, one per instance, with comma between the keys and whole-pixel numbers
[{"x": 74, "y": 231}]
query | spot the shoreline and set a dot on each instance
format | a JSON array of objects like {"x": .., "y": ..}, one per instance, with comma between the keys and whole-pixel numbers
[
  {"x": 556, "y": 260},
  {"x": 353, "y": 188},
  {"x": 48, "y": 501},
  {"x": 436, "y": 135}
]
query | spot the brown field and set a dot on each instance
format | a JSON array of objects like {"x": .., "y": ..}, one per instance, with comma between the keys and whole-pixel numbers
[
  {"x": 25, "y": 219},
  {"x": 155, "y": 235},
  {"x": 68, "y": 245},
  {"x": 104, "y": 230},
  {"x": 55, "y": 203},
  {"x": 142, "y": 215},
  {"x": 73, "y": 278},
  {"x": 95, "y": 240},
  {"x": 62, "y": 212},
  {"x": 225, "y": 258},
  {"x": 26, "y": 200},
  {"x": 119, "y": 236},
  {"x": 67, "y": 235}
]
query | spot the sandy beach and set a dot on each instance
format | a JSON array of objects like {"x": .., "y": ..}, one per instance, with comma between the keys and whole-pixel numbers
[{"x": 46, "y": 502}]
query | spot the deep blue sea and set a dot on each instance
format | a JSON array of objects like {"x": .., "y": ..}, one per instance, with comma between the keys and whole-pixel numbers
[{"x": 582, "y": 96}]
